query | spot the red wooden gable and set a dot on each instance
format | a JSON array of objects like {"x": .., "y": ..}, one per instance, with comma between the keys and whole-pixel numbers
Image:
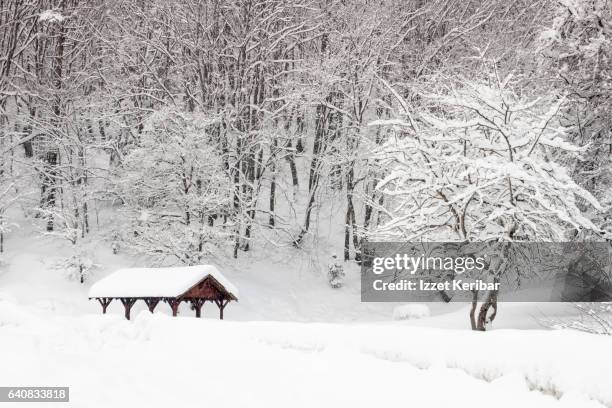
[{"x": 208, "y": 288}]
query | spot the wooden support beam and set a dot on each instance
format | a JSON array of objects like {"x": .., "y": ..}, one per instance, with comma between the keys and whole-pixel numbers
[
  {"x": 174, "y": 304},
  {"x": 197, "y": 304},
  {"x": 221, "y": 303},
  {"x": 128, "y": 303},
  {"x": 223, "y": 307},
  {"x": 152, "y": 303},
  {"x": 104, "y": 302}
]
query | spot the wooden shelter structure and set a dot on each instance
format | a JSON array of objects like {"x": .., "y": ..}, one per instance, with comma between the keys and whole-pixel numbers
[{"x": 193, "y": 284}]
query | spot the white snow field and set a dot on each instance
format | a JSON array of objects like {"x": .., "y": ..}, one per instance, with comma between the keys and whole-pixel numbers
[
  {"x": 410, "y": 311},
  {"x": 291, "y": 341},
  {"x": 159, "y": 361}
]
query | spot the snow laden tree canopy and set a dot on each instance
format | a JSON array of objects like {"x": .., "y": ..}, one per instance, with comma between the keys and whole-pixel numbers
[
  {"x": 484, "y": 162},
  {"x": 175, "y": 189}
]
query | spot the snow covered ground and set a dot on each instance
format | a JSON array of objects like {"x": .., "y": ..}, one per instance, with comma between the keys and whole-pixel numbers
[
  {"x": 159, "y": 361},
  {"x": 291, "y": 341}
]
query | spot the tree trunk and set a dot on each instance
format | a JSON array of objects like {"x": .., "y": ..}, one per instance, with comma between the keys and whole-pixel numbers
[
  {"x": 473, "y": 310},
  {"x": 272, "y": 198},
  {"x": 52, "y": 157},
  {"x": 49, "y": 188},
  {"x": 490, "y": 303},
  {"x": 290, "y": 157},
  {"x": 313, "y": 180}
]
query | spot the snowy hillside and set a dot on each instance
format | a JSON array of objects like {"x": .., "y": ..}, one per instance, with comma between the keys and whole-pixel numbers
[
  {"x": 260, "y": 356},
  {"x": 278, "y": 284}
]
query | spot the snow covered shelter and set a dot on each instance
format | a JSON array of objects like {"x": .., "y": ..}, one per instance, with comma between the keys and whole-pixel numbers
[{"x": 194, "y": 284}]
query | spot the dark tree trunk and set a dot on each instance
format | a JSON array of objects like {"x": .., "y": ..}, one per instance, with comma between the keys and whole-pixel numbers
[
  {"x": 313, "y": 180},
  {"x": 347, "y": 241},
  {"x": 85, "y": 219},
  {"x": 28, "y": 149},
  {"x": 490, "y": 303},
  {"x": 52, "y": 158},
  {"x": 473, "y": 310},
  {"x": 272, "y": 198},
  {"x": 350, "y": 227},
  {"x": 102, "y": 130},
  {"x": 320, "y": 136},
  {"x": 292, "y": 168},
  {"x": 299, "y": 146},
  {"x": 49, "y": 187},
  {"x": 236, "y": 170}
]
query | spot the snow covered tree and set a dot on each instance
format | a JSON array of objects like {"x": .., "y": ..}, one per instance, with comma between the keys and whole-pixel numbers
[
  {"x": 485, "y": 162},
  {"x": 577, "y": 49},
  {"x": 277, "y": 97},
  {"x": 482, "y": 164},
  {"x": 175, "y": 190},
  {"x": 77, "y": 267}
]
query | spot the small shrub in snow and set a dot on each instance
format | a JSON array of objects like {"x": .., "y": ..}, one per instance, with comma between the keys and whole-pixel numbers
[
  {"x": 594, "y": 317},
  {"x": 411, "y": 311},
  {"x": 77, "y": 267},
  {"x": 335, "y": 273},
  {"x": 115, "y": 242}
]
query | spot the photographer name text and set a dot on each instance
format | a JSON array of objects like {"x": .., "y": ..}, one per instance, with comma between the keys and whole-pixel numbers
[{"x": 425, "y": 285}]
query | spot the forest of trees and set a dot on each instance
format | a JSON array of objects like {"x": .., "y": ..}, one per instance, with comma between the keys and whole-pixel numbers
[{"x": 205, "y": 124}]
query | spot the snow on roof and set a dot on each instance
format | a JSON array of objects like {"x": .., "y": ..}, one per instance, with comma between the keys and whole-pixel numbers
[{"x": 157, "y": 282}]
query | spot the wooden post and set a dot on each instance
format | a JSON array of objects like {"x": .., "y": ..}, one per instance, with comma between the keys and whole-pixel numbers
[
  {"x": 128, "y": 303},
  {"x": 197, "y": 305},
  {"x": 104, "y": 302},
  {"x": 151, "y": 303},
  {"x": 174, "y": 304},
  {"x": 221, "y": 304}
]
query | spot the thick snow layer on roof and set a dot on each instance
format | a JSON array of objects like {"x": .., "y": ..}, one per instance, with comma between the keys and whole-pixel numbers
[{"x": 157, "y": 282}]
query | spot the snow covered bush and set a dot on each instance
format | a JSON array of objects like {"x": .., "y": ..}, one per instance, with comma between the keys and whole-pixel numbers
[
  {"x": 595, "y": 317},
  {"x": 175, "y": 190},
  {"x": 410, "y": 311},
  {"x": 335, "y": 273},
  {"x": 76, "y": 268}
]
